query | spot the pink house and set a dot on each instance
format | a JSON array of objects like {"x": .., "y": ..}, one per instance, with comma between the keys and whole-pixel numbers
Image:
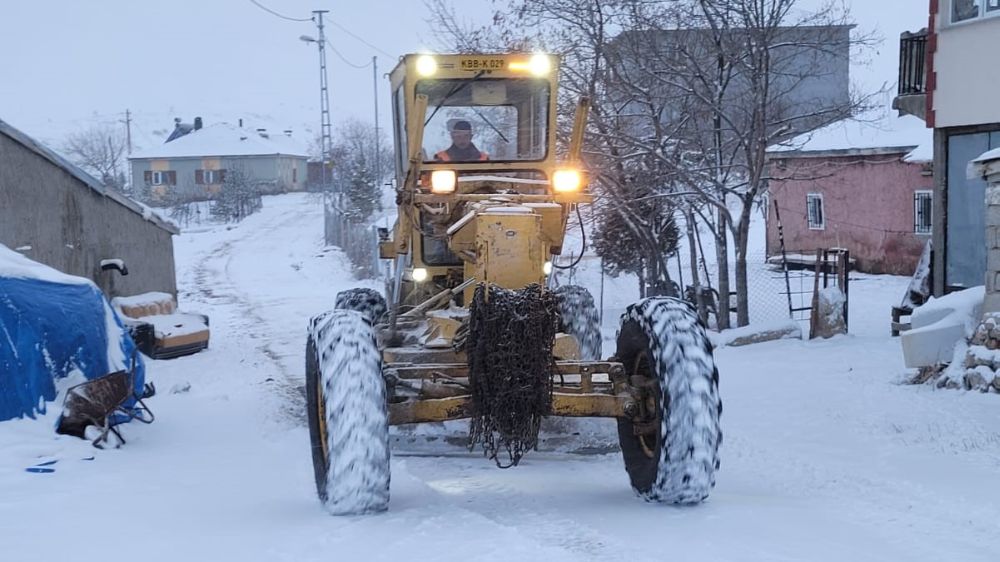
[{"x": 867, "y": 187}]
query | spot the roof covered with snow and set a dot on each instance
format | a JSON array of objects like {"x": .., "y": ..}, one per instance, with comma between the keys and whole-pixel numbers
[
  {"x": 885, "y": 134},
  {"x": 224, "y": 139},
  {"x": 87, "y": 179}
]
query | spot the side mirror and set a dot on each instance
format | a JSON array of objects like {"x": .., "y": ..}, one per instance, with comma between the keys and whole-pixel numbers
[{"x": 115, "y": 264}]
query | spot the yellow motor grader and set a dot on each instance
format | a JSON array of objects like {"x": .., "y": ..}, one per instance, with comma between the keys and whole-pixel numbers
[{"x": 470, "y": 328}]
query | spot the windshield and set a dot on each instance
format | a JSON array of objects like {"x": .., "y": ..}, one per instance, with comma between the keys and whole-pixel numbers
[{"x": 485, "y": 119}]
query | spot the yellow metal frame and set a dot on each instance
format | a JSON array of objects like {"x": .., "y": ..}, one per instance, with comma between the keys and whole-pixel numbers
[{"x": 498, "y": 244}]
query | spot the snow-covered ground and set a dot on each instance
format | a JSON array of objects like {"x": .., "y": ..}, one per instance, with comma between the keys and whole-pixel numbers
[{"x": 825, "y": 455}]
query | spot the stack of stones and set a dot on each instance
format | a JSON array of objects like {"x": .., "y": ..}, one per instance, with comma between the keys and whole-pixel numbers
[{"x": 982, "y": 361}]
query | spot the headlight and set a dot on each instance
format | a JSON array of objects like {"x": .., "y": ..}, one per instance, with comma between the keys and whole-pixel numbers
[
  {"x": 426, "y": 65},
  {"x": 565, "y": 181},
  {"x": 419, "y": 274},
  {"x": 547, "y": 268},
  {"x": 443, "y": 181},
  {"x": 540, "y": 65}
]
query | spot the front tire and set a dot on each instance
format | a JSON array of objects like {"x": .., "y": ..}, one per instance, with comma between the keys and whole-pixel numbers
[
  {"x": 578, "y": 317},
  {"x": 369, "y": 302},
  {"x": 348, "y": 418},
  {"x": 671, "y": 448}
]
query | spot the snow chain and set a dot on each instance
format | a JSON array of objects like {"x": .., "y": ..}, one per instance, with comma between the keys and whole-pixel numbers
[{"x": 509, "y": 349}]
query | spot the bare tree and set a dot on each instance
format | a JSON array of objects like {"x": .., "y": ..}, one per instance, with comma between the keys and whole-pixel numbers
[
  {"x": 101, "y": 151},
  {"x": 686, "y": 97},
  {"x": 746, "y": 74}
]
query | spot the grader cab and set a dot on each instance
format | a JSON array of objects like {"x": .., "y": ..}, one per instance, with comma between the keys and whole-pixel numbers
[{"x": 470, "y": 327}]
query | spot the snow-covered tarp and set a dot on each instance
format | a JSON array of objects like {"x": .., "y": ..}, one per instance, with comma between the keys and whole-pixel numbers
[{"x": 51, "y": 325}]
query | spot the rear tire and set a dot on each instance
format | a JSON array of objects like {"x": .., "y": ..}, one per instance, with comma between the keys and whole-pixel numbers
[
  {"x": 578, "y": 317},
  {"x": 368, "y": 302},
  {"x": 348, "y": 418},
  {"x": 672, "y": 452}
]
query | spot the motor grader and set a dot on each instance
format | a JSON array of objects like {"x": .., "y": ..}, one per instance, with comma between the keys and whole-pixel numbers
[{"x": 470, "y": 327}]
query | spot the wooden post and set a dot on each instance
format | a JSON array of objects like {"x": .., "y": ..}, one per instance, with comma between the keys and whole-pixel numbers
[{"x": 814, "y": 311}]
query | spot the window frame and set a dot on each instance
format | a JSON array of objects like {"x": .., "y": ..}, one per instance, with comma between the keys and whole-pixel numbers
[
  {"x": 822, "y": 211},
  {"x": 917, "y": 196},
  {"x": 983, "y": 11},
  {"x": 157, "y": 177}
]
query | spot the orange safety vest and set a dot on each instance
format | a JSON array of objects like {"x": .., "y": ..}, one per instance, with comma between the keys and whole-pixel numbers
[{"x": 444, "y": 157}]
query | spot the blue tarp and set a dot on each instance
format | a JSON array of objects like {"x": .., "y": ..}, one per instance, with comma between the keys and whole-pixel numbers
[{"x": 47, "y": 330}]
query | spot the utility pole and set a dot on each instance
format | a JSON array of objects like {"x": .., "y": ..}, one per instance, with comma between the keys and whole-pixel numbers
[
  {"x": 128, "y": 163},
  {"x": 326, "y": 141},
  {"x": 378, "y": 163},
  {"x": 128, "y": 130}
]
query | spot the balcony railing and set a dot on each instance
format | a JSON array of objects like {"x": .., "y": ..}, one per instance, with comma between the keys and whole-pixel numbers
[{"x": 912, "y": 63}]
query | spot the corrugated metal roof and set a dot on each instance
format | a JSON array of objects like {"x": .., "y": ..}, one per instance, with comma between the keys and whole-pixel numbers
[{"x": 87, "y": 179}]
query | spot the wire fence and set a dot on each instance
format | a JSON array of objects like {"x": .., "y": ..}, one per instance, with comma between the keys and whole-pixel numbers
[
  {"x": 358, "y": 240},
  {"x": 771, "y": 297}
]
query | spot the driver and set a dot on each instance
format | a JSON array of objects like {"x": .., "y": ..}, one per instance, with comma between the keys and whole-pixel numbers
[{"x": 461, "y": 149}]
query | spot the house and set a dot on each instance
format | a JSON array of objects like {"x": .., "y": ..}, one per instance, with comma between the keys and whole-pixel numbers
[
  {"x": 855, "y": 184},
  {"x": 193, "y": 164},
  {"x": 810, "y": 66},
  {"x": 54, "y": 213},
  {"x": 947, "y": 78}
]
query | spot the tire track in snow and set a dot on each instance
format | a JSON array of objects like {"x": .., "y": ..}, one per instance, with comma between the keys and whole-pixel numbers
[
  {"x": 216, "y": 285},
  {"x": 533, "y": 515}
]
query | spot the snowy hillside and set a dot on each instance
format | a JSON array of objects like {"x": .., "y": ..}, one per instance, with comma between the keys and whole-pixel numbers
[{"x": 826, "y": 457}]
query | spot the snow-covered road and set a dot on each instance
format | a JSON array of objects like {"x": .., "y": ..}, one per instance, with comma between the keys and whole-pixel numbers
[{"x": 825, "y": 456}]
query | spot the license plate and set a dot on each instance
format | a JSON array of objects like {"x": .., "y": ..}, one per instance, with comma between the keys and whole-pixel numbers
[{"x": 481, "y": 64}]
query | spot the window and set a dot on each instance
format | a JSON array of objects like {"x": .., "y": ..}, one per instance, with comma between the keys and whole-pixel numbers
[
  {"x": 209, "y": 177},
  {"x": 965, "y": 10},
  {"x": 508, "y": 118},
  {"x": 295, "y": 175},
  {"x": 814, "y": 211},
  {"x": 962, "y": 10},
  {"x": 922, "y": 212},
  {"x": 157, "y": 177}
]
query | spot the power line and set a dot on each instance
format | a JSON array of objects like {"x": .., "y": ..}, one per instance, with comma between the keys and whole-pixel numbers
[
  {"x": 272, "y": 12},
  {"x": 341, "y": 57},
  {"x": 359, "y": 38}
]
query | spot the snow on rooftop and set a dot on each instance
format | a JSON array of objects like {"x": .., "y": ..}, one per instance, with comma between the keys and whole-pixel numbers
[
  {"x": 224, "y": 139},
  {"x": 907, "y": 133}
]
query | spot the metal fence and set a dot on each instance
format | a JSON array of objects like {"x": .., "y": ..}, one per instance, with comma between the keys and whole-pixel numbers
[
  {"x": 358, "y": 240},
  {"x": 770, "y": 297}
]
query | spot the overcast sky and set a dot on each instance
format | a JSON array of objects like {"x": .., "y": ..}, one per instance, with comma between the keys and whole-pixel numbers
[{"x": 67, "y": 63}]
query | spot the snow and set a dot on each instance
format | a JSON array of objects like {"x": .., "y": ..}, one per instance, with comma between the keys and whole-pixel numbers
[
  {"x": 788, "y": 327},
  {"x": 152, "y": 298},
  {"x": 15, "y": 265},
  {"x": 940, "y": 326},
  {"x": 886, "y": 131},
  {"x": 825, "y": 456},
  {"x": 989, "y": 155},
  {"x": 222, "y": 139},
  {"x": 174, "y": 325},
  {"x": 959, "y": 307}
]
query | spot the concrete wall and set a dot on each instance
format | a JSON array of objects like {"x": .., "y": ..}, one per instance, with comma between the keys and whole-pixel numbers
[
  {"x": 810, "y": 72},
  {"x": 966, "y": 66},
  {"x": 72, "y": 227},
  {"x": 277, "y": 174},
  {"x": 867, "y": 203}
]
